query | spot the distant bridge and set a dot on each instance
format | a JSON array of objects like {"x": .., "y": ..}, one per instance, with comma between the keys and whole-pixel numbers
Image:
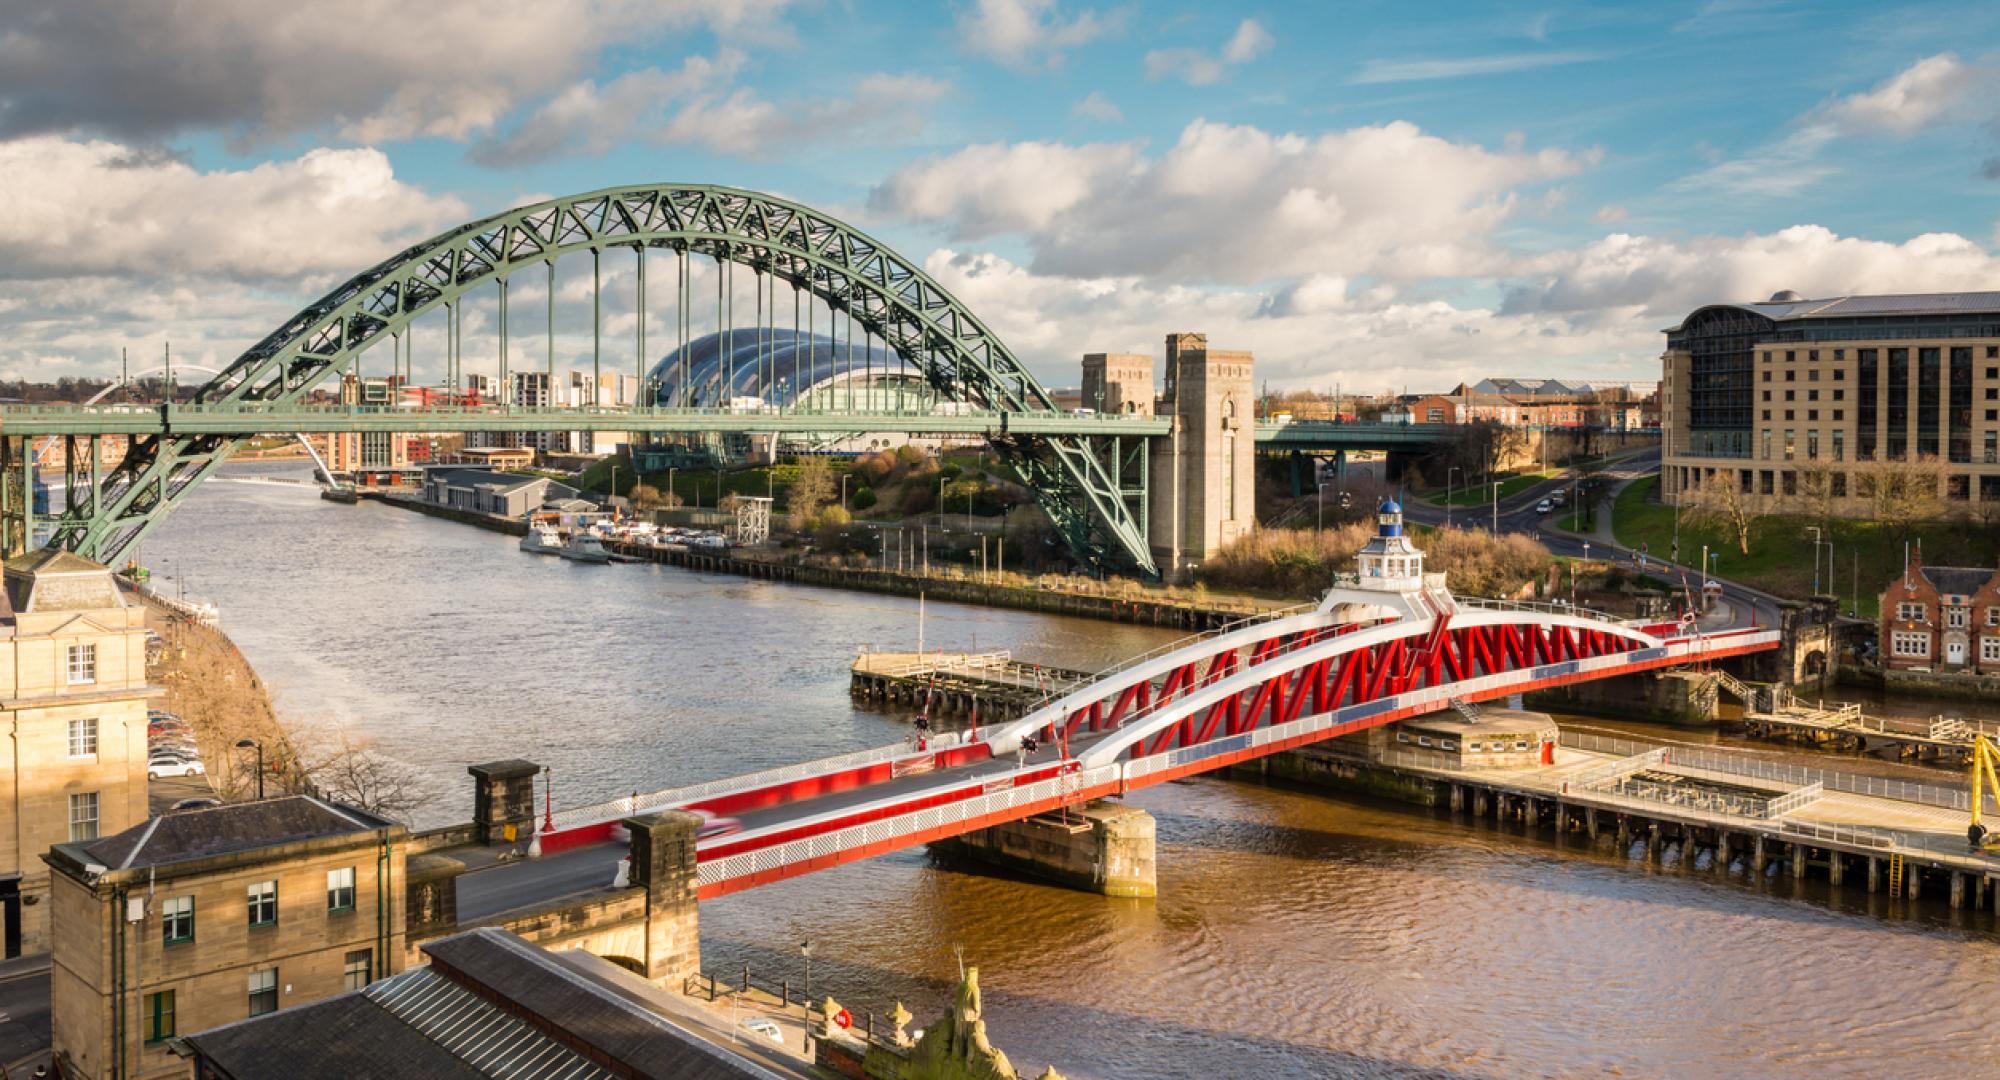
[{"x": 1091, "y": 475}]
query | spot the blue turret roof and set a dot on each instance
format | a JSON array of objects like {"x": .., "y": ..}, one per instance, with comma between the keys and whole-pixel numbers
[{"x": 1389, "y": 506}]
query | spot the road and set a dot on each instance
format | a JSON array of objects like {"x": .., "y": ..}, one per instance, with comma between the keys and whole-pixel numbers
[
  {"x": 1517, "y": 514},
  {"x": 24, "y": 1015}
]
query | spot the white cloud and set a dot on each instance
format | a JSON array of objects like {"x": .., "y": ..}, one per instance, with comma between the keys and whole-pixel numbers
[
  {"x": 371, "y": 70},
  {"x": 1235, "y": 203},
  {"x": 995, "y": 188},
  {"x": 592, "y": 118},
  {"x": 1608, "y": 214},
  {"x": 1316, "y": 335},
  {"x": 1777, "y": 170},
  {"x": 1249, "y": 42},
  {"x": 1096, "y": 106},
  {"x": 699, "y": 105},
  {"x": 1919, "y": 96},
  {"x": 1395, "y": 71},
  {"x": 97, "y": 208},
  {"x": 1623, "y": 276},
  {"x": 1197, "y": 67},
  {"x": 742, "y": 122},
  {"x": 1022, "y": 33}
]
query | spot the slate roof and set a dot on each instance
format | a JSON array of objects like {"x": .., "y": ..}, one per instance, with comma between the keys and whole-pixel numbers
[
  {"x": 181, "y": 835},
  {"x": 50, "y": 579},
  {"x": 1957, "y": 580},
  {"x": 485, "y": 1007}
]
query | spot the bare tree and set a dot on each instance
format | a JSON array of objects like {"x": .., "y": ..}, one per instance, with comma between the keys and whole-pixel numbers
[
  {"x": 812, "y": 490},
  {"x": 347, "y": 768},
  {"x": 648, "y": 497},
  {"x": 1903, "y": 493},
  {"x": 1720, "y": 500},
  {"x": 1816, "y": 498}
]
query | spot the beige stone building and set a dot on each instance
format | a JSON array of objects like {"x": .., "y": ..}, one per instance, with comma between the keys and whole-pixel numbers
[
  {"x": 1203, "y": 475},
  {"x": 200, "y": 918},
  {"x": 73, "y": 704},
  {"x": 1791, "y": 398}
]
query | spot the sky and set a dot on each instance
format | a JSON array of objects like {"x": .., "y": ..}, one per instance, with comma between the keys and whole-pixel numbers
[{"x": 1366, "y": 195}]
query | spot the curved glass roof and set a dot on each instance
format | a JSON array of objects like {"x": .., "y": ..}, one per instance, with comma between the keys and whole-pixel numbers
[{"x": 778, "y": 366}]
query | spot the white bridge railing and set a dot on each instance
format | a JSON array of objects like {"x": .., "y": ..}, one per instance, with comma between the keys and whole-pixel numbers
[{"x": 901, "y": 825}]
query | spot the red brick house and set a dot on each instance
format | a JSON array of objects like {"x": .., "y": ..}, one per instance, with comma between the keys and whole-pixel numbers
[{"x": 1942, "y": 618}]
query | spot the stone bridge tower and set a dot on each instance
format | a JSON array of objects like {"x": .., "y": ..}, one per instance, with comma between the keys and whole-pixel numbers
[{"x": 1203, "y": 474}]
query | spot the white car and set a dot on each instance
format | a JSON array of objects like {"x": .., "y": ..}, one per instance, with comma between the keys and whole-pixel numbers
[
  {"x": 1544, "y": 507},
  {"x": 757, "y": 1025},
  {"x": 159, "y": 767}
]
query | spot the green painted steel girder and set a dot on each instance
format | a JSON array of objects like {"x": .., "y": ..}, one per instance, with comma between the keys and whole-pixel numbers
[
  {"x": 851, "y": 272},
  {"x": 244, "y": 421}
]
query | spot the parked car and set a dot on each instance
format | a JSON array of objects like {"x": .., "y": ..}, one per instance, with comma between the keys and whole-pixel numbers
[
  {"x": 757, "y": 1025},
  {"x": 174, "y": 766}
]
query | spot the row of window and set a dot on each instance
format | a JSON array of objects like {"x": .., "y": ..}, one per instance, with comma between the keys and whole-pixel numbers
[
  {"x": 1497, "y": 746},
  {"x": 1956, "y": 616},
  {"x": 1840, "y": 443},
  {"x": 1957, "y": 488},
  {"x": 261, "y": 988},
  {"x": 1916, "y": 645},
  {"x": 260, "y": 905},
  {"x": 1812, "y": 355}
]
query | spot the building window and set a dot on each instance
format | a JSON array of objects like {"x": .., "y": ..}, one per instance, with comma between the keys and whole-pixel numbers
[
  {"x": 1813, "y": 376},
  {"x": 159, "y": 1016},
  {"x": 83, "y": 737},
  {"x": 1957, "y": 618},
  {"x": 1993, "y": 615},
  {"x": 1767, "y": 371},
  {"x": 1812, "y": 395},
  {"x": 1989, "y": 650},
  {"x": 1840, "y": 395},
  {"x": 1791, "y": 376},
  {"x": 1909, "y": 612},
  {"x": 1812, "y": 355},
  {"x": 1839, "y": 413},
  {"x": 1812, "y": 414},
  {"x": 263, "y": 992},
  {"x": 82, "y": 816},
  {"x": 1839, "y": 374},
  {"x": 1839, "y": 484},
  {"x": 340, "y": 889},
  {"x": 1791, "y": 441},
  {"x": 1812, "y": 445},
  {"x": 82, "y": 664},
  {"x": 1791, "y": 395},
  {"x": 1767, "y": 395},
  {"x": 1906, "y": 643},
  {"x": 1790, "y": 356},
  {"x": 360, "y": 969},
  {"x": 177, "y": 920},
  {"x": 263, "y": 902}
]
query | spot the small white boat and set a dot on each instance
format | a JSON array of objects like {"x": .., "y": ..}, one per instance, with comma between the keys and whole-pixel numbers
[
  {"x": 583, "y": 547},
  {"x": 542, "y": 539}
]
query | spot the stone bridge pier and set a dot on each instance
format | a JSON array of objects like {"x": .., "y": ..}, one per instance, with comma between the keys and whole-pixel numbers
[{"x": 1101, "y": 847}]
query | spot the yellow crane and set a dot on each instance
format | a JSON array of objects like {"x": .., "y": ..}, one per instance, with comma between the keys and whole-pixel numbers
[{"x": 1985, "y": 774}]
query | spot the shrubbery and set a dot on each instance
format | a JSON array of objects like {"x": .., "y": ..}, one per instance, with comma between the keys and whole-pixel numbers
[{"x": 1301, "y": 562}]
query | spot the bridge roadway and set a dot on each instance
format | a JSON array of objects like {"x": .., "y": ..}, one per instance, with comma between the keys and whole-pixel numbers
[
  {"x": 519, "y": 884},
  {"x": 236, "y": 419},
  {"x": 1224, "y": 697}
]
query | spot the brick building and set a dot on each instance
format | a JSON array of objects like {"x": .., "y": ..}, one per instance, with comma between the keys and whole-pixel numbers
[{"x": 1942, "y": 618}]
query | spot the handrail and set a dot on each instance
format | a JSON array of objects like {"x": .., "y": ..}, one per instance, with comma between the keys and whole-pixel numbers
[
  {"x": 1543, "y": 607},
  {"x": 1797, "y": 776}
]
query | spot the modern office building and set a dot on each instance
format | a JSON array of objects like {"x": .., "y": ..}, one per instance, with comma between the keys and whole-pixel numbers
[{"x": 1790, "y": 394}]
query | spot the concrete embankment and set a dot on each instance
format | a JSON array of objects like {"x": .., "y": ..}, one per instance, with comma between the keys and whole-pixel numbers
[{"x": 1146, "y": 610}]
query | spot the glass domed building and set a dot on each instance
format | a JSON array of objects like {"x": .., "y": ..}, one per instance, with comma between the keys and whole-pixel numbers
[{"x": 787, "y": 369}]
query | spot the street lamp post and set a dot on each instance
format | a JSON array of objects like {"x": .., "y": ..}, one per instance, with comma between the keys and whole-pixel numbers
[
  {"x": 1496, "y": 508},
  {"x": 843, "y": 491},
  {"x": 671, "y": 470},
  {"x": 806, "y": 950},
  {"x": 245, "y": 744},
  {"x": 1320, "y": 499},
  {"x": 1448, "y": 491},
  {"x": 1814, "y": 529}
]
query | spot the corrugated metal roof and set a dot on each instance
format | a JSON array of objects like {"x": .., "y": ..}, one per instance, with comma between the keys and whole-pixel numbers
[
  {"x": 477, "y": 1032},
  {"x": 1967, "y": 303}
]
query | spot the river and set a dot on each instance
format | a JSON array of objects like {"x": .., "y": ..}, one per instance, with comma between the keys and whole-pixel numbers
[{"x": 1295, "y": 935}]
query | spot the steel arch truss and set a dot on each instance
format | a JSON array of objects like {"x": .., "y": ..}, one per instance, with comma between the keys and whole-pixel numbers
[
  {"x": 1081, "y": 483},
  {"x": 1301, "y": 668}
]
